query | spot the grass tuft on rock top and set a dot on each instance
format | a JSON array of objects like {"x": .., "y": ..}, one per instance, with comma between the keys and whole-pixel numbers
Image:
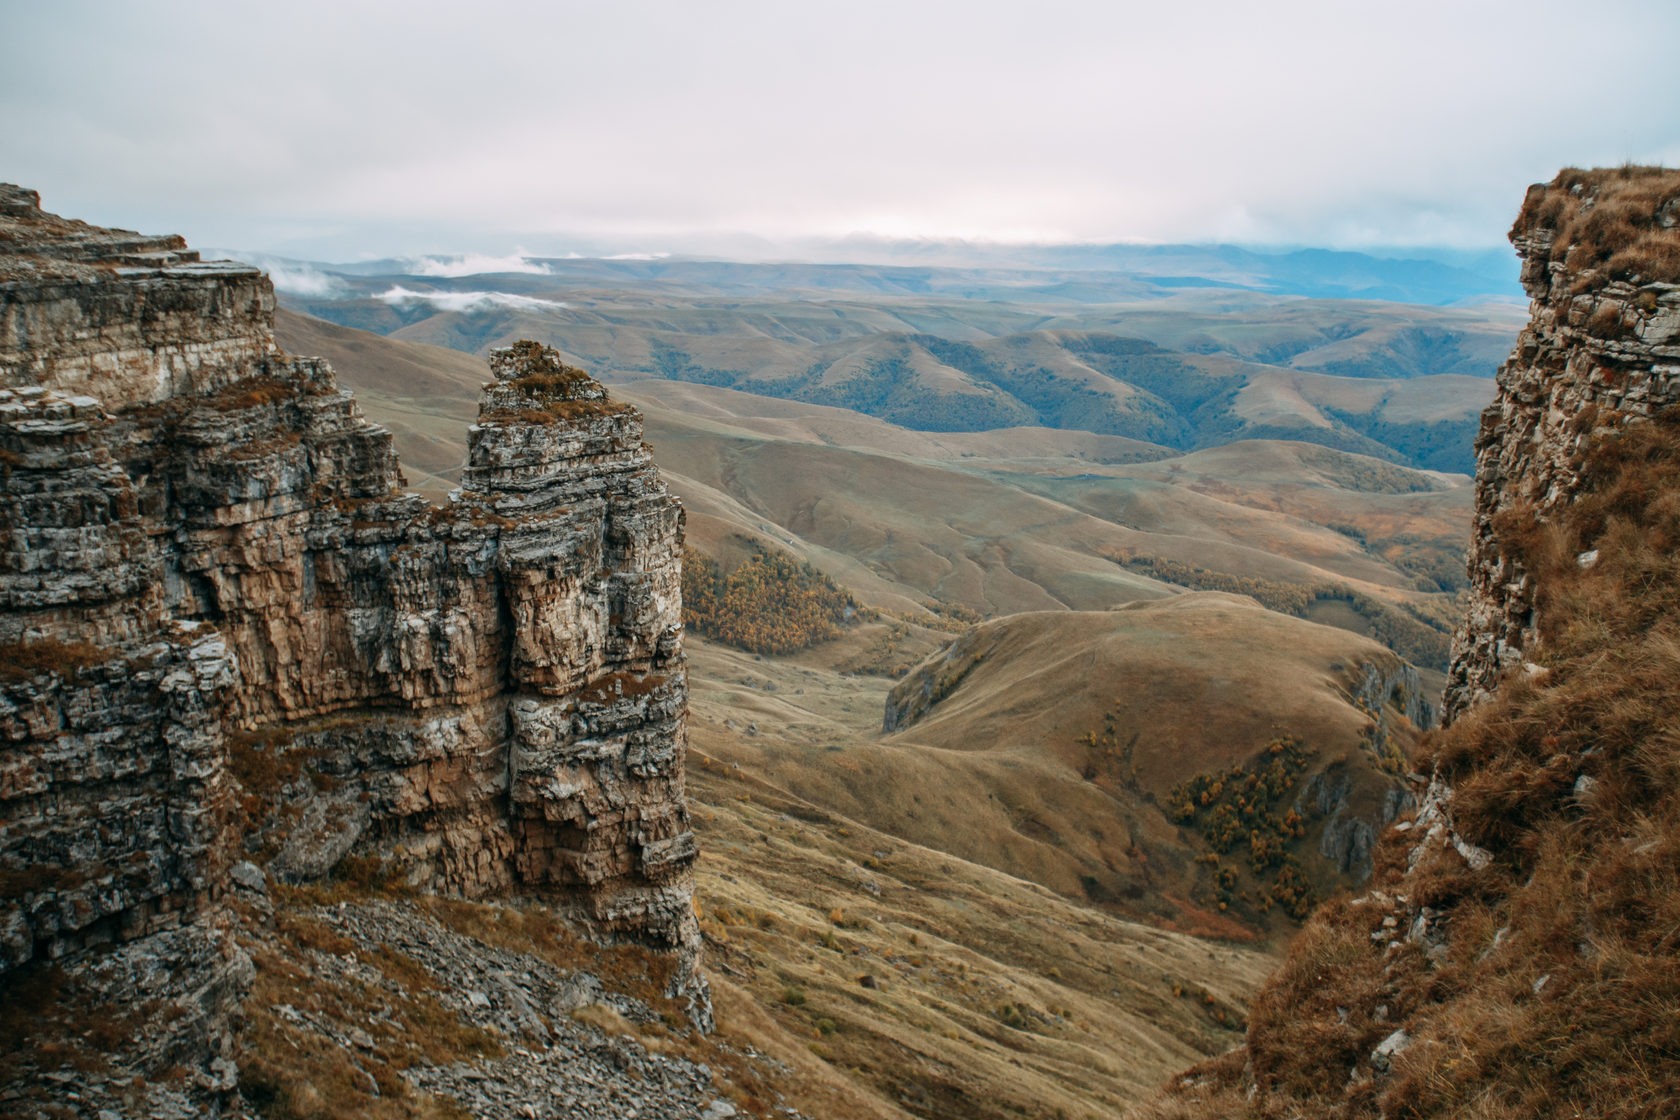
[{"x": 1609, "y": 223}]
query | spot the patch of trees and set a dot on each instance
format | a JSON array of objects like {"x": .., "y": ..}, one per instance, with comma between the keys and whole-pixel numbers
[
  {"x": 1062, "y": 402},
  {"x": 1425, "y": 643},
  {"x": 1196, "y": 396},
  {"x": 678, "y": 365},
  {"x": 772, "y": 603},
  {"x": 1237, "y": 811},
  {"x": 1175, "y": 403}
]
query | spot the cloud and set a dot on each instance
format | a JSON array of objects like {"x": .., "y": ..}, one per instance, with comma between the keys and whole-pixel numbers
[
  {"x": 1297, "y": 122},
  {"x": 467, "y": 301},
  {"x": 475, "y": 264},
  {"x": 302, "y": 280},
  {"x": 295, "y": 278}
]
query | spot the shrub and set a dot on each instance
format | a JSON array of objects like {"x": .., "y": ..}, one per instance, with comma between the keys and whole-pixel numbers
[{"x": 22, "y": 661}]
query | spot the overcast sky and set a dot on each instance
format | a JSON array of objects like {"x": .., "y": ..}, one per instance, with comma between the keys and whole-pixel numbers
[{"x": 344, "y": 130}]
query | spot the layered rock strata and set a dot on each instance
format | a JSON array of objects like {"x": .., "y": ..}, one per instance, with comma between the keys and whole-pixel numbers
[
  {"x": 1601, "y": 350},
  {"x": 208, "y": 567},
  {"x": 1530, "y": 885}
]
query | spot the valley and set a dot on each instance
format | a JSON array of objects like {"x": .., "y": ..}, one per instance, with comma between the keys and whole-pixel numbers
[
  {"x": 959, "y": 728},
  {"x": 1182, "y": 370},
  {"x": 998, "y": 879}
]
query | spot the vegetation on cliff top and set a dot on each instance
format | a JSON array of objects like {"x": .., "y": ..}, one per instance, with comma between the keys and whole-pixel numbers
[
  {"x": 542, "y": 371},
  {"x": 1547, "y": 983},
  {"x": 1610, "y": 223}
]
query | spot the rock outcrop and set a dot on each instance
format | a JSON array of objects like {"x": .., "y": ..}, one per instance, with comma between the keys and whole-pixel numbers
[
  {"x": 1514, "y": 953},
  {"x": 216, "y": 599},
  {"x": 1601, "y": 350}
]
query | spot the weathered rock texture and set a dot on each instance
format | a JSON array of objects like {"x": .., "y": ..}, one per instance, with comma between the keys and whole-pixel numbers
[
  {"x": 1601, "y": 350},
  {"x": 207, "y": 566},
  {"x": 1531, "y": 897}
]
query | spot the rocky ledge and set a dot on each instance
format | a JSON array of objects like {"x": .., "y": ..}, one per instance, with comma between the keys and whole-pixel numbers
[
  {"x": 1601, "y": 351},
  {"x": 227, "y": 634}
]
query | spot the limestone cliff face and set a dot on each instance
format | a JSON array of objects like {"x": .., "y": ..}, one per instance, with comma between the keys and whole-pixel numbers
[
  {"x": 207, "y": 564},
  {"x": 1601, "y": 350}
]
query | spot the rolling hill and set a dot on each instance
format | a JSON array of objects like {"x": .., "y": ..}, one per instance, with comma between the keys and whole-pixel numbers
[
  {"x": 990, "y": 522},
  {"x": 926, "y": 348},
  {"x": 965, "y": 888}
]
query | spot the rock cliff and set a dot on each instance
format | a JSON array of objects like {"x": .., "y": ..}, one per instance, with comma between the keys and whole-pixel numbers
[
  {"x": 1514, "y": 954},
  {"x": 226, "y": 632},
  {"x": 1601, "y": 350}
]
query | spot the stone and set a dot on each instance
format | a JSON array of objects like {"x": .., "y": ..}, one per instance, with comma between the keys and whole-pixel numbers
[
  {"x": 1596, "y": 354},
  {"x": 217, "y": 600},
  {"x": 329, "y": 828},
  {"x": 1384, "y": 1054},
  {"x": 248, "y": 875}
]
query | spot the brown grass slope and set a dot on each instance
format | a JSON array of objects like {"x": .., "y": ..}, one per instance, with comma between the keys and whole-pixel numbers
[
  {"x": 999, "y": 770},
  {"x": 992, "y": 522},
  {"x": 1013, "y": 520},
  {"x": 948, "y": 989},
  {"x": 1557, "y": 992}
]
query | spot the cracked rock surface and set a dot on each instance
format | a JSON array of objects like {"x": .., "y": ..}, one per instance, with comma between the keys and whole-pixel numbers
[{"x": 228, "y": 637}]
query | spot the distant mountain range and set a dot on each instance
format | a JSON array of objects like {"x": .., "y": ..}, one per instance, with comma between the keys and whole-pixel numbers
[
  {"x": 957, "y": 349},
  {"x": 1067, "y": 273}
]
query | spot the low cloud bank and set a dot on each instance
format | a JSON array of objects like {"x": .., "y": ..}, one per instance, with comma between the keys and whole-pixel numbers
[
  {"x": 295, "y": 278},
  {"x": 474, "y": 264},
  {"x": 467, "y": 301}
]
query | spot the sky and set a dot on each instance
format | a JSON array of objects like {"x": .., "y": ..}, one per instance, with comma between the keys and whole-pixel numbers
[{"x": 345, "y": 130}]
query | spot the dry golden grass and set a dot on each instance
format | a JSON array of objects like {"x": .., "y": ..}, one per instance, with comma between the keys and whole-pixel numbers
[
  {"x": 1608, "y": 223},
  {"x": 1559, "y": 992},
  {"x": 1197, "y": 682},
  {"x": 955, "y": 991},
  {"x": 20, "y": 661}
]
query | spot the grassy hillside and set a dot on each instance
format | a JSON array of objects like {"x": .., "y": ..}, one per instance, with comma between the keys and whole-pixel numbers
[
  {"x": 938, "y": 987},
  {"x": 1048, "y": 745},
  {"x": 1542, "y": 979},
  {"x": 923, "y": 349},
  {"x": 880, "y": 895},
  {"x": 988, "y": 522}
]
